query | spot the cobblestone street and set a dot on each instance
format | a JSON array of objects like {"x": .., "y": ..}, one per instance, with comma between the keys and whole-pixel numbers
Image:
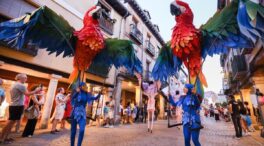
[{"x": 214, "y": 134}]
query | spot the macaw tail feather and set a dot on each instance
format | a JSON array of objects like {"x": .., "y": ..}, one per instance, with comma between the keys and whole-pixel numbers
[
  {"x": 199, "y": 84},
  {"x": 74, "y": 79},
  {"x": 74, "y": 75}
]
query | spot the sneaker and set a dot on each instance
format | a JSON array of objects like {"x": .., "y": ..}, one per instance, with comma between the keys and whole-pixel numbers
[
  {"x": 111, "y": 126},
  {"x": 29, "y": 136},
  {"x": 237, "y": 138},
  {"x": 106, "y": 126}
]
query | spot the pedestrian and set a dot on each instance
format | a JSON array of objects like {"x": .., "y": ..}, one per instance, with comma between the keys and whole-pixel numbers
[
  {"x": 233, "y": 108},
  {"x": 111, "y": 112},
  {"x": 2, "y": 92},
  {"x": 129, "y": 114},
  {"x": 16, "y": 107},
  {"x": 150, "y": 89},
  {"x": 106, "y": 114},
  {"x": 33, "y": 103},
  {"x": 211, "y": 109},
  {"x": 226, "y": 115},
  {"x": 216, "y": 114},
  {"x": 248, "y": 117},
  {"x": 58, "y": 114},
  {"x": 67, "y": 113},
  {"x": 145, "y": 112},
  {"x": 191, "y": 115},
  {"x": 121, "y": 112},
  {"x": 79, "y": 101},
  {"x": 243, "y": 114}
]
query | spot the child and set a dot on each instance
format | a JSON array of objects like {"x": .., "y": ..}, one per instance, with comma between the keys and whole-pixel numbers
[{"x": 106, "y": 114}]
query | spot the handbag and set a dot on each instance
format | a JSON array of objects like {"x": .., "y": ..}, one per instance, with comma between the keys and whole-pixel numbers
[{"x": 31, "y": 112}]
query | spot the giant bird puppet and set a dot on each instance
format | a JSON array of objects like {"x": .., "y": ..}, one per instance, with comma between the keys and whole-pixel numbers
[
  {"x": 239, "y": 25},
  {"x": 45, "y": 29}
]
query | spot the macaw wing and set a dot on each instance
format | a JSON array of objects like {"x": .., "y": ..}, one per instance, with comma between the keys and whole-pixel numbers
[
  {"x": 119, "y": 53},
  {"x": 166, "y": 64},
  {"x": 250, "y": 19},
  {"x": 43, "y": 28},
  {"x": 222, "y": 32}
]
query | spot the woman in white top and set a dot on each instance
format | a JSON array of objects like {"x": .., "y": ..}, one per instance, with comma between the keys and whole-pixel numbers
[{"x": 61, "y": 101}]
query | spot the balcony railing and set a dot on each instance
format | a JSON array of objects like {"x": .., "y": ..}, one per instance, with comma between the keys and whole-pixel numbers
[
  {"x": 150, "y": 48},
  {"x": 239, "y": 67},
  {"x": 136, "y": 34},
  {"x": 107, "y": 25}
]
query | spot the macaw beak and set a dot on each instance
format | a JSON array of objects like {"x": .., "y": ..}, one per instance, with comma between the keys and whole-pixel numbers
[{"x": 175, "y": 9}]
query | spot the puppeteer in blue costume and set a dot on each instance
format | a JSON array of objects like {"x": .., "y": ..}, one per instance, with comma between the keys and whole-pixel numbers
[
  {"x": 191, "y": 118},
  {"x": 79, "y": 101}
]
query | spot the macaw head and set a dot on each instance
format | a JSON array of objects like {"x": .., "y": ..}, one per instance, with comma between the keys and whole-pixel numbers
[
  {"x": 181, "y": 10},
  {"x": 178, "y": 7},
  {"x": 94, "y": 12}
]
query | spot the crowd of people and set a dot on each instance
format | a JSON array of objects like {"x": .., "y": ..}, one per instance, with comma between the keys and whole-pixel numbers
[
  {"x": 27, "y": 102},
  {"x": 236, "y": 111}
]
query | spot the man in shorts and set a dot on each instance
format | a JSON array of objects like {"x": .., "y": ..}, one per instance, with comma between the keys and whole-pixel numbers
[{"x": 16, "y": 107}]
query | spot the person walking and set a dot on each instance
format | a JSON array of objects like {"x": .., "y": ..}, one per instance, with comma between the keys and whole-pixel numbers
[
  {"x": 145, "y": 112},
  {"x": 61, "y": 101},
  {"x": 106, "y": 114},
  {"x": 235, "y": 115},
  {"x": 79, "y": 102},
  {"x": 33, "y": 103},
  {"x": 248, "y": 117},
  {"x": 111, "y": 112},
  {"x": 150, "y": 89},
  {"x": 16, "y": 107},
  {"x": 243, "y": 114}
]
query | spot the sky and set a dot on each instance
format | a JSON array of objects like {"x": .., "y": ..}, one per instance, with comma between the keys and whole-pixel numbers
[{"x": 203, "y": 10}]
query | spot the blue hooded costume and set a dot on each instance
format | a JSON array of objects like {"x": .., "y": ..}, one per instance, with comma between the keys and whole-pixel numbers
[
  {"x": 79, "y": 101},
  {"x": 191, "y": 117}
]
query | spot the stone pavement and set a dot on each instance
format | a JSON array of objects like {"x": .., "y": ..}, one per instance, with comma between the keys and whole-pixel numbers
[{"x": 214, "y": 134}]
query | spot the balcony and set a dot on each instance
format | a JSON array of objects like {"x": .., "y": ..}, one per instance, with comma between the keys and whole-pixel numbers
[
  {"x": 106, "y": 23},
  {"x": 150, "y": 48},
  {"x": 136, "y": 34},
  {"x": 239, "y": 67}
]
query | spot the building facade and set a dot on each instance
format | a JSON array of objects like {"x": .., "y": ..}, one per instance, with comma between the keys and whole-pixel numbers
[{"x": 128, "y": 21}]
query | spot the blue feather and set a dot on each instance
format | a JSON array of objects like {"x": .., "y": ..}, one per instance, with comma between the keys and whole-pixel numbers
[
  {"x": 166, "y": 64},
  {"x": 253, "y": 32},
  {"x": 43, "y": 28}
]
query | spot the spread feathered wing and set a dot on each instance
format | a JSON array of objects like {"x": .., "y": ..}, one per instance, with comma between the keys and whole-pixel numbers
[
  {"x": 222, "y": 32},
  {"x": 119, "y": 53},
  {"x": 166, "y": 64},
  {"x": 250, "y": 19},
  {"x": 43, "y": 28}
]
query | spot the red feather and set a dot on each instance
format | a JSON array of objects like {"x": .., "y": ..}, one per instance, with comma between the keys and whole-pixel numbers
[{"x": 90, "y": 42}]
